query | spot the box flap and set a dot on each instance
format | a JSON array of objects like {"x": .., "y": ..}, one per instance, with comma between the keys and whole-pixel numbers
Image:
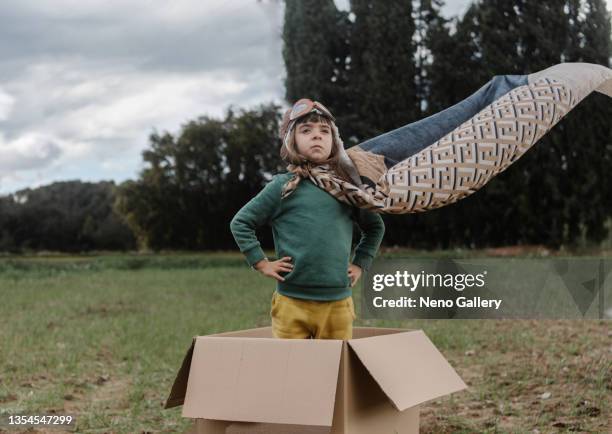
[
  {"x": 260, "y": 332},
  {"x": 407, "y": 367},
  {"x": 366, "y": 332},
  {"x": 177, "y": 394},
  {"x": 291, "y": 381}
]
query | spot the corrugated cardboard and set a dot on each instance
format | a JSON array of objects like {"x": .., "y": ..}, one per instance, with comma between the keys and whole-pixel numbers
[{"x": 249, "y": 382}]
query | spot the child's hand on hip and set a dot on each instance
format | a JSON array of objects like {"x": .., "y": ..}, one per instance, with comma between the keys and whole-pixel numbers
[
  {"x": 272, "y": 268},
  {"x": 354, "y": 273}
]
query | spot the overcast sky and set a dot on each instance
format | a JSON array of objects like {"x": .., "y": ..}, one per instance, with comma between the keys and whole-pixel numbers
[{"x": 84, "y": 83}]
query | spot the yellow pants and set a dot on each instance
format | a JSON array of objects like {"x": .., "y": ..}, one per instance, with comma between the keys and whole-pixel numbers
[{"x": 294, "y": 318}]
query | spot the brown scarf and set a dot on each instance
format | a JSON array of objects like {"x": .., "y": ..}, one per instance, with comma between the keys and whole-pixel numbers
[{"x": 324, "y": 177}]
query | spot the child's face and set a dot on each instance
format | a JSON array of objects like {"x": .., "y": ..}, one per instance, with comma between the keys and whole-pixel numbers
[{"x": 314, "y": 140}]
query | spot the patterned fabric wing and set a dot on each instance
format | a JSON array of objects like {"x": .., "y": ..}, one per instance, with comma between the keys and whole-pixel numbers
[
  {"x": 475, "y": 150},
  {"x": 467, "y": 158}
]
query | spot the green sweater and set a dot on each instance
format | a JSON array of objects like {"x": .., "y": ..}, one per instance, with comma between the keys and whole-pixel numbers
[{"x": 315, "y": 230}]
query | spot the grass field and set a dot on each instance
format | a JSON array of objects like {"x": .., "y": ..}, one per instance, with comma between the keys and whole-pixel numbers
[{"x": 102, "y": 337}]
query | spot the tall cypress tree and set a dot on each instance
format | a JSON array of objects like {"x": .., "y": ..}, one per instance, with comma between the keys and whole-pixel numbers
[
  {"x": 315, "y": 49},
  {"x": 382, "y": 66},
  {"x": 456, "y": 68},
  {"x": 597, "y": 46},
  {"x": 499, "y": 36}
]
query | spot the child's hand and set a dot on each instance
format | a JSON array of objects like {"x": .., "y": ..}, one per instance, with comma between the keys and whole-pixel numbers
[
  {"x": 271, "y": 269},
  {"x": 354, "y": 273}
]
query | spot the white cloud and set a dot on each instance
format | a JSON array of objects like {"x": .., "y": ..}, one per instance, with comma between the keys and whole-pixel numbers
[
  {"x": 98, "y": 96},
  {"x": 176, "y": 12},
  {"x": 31, "y": 151},
  {"x": 103, "y": 111},
  {"x": 146, "y": 102},
  {"x": 6, "y": 104}
]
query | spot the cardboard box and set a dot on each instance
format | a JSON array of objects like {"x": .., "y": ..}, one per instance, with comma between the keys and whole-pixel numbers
[{"x": 249, "y": 382}]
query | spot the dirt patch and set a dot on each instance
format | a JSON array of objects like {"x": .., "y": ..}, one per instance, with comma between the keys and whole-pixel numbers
[
  {"x": 559, "y": 382},
  {"x": 109, "y": 391},
  {"x": 104, "y": 393}
]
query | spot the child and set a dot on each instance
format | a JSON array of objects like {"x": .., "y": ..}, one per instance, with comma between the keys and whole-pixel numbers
[{"x": 312, "y": 232}]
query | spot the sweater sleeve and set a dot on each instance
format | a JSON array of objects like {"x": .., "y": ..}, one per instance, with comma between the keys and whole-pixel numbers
[
  {"x": 257, "y": 212},
  {"x": 372, "y": 231}
]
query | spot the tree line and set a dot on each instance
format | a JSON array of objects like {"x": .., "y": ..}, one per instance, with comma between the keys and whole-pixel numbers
[
  {"x": 377, "y": 66},
  {"x": 68, "y": 216}
]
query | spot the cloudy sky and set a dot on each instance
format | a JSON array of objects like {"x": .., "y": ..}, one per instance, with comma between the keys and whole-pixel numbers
[{"x": 84, "y": 83}]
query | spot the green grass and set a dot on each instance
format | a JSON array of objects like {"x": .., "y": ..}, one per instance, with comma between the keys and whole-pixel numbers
[{"x": 102, "y": 337}]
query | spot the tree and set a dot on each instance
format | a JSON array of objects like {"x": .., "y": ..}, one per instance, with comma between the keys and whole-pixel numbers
[
  {"x": 315, "y": 50},
  {"x": 68, "y": 216},
  {"x": 382, "y": 74},
  {"x": 193, "y": 184}
]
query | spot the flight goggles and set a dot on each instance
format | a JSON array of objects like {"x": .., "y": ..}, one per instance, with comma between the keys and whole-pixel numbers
[{"x": 305, "y": 106}]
